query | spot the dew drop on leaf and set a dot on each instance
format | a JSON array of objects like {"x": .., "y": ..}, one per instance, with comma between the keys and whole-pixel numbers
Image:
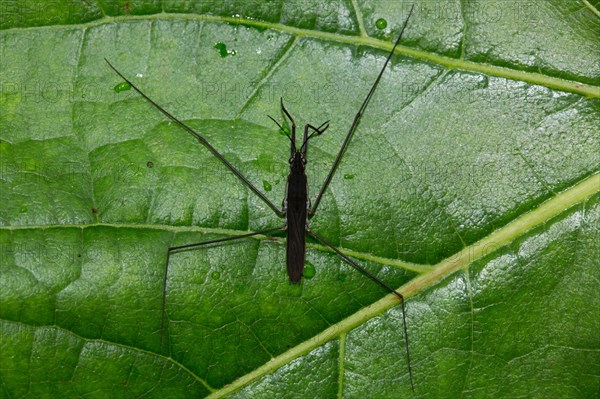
[
  {"x": 267, "y": 186},
  {"x": 215, "y": 275},
  {"x": 309, "y": 270},
  {"x": 23, "y": 209},
  {"x": 381, "y": 23},
  {"x": 348, "y": 176},
  {"x": 222, "y": 48},
  {"x": 123, "y": 86}
]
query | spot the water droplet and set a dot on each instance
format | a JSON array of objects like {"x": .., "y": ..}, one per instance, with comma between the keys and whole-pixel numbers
[
  {"x": 267, "y": 186},
  {"x": 122, "y": 87},
  {"x": 348, "y": 176},
  {"x": 150, "y": 164},
  {"x": 381, "y": 23},
  {"x": 139, "y": 75},
  {"x": 215, "y": 275},
  {"x": 309, "y": 270},
  {"x": 223, "y": 52},
  {"x": 23, "y": 209},
  {"x": 222, "y": 49}
]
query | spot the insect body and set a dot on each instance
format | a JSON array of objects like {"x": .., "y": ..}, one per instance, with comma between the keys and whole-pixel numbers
[
  {"x": 296, "y": 204},
  {"x": 297, "y": 208}
]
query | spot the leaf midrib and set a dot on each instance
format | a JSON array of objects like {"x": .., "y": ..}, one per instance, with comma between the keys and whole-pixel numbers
[{"x": 520, "y": 226}]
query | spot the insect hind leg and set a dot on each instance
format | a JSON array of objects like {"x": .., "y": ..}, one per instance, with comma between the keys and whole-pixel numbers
[{"x": 382, "y": 283}]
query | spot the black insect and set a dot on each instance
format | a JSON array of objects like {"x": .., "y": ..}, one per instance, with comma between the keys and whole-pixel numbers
[{"x": 297, "y": 208}]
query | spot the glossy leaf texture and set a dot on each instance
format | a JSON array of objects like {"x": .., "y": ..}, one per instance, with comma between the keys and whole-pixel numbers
[{"x": 471, "y": 184}]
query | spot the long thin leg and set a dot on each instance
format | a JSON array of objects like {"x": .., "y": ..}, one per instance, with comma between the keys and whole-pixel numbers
[
  {"x": 203, "y": 141},
  {"x": 356, "y": 120},
  {"x": 198, "y": 244},
  {"x": 373, "y": 277}
]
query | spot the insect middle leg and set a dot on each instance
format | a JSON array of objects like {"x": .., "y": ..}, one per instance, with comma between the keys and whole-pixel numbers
[{"x": 178, "y": 248}]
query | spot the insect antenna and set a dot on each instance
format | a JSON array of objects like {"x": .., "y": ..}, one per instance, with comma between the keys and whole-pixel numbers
[
  {"x": 284, "y": 131},
  {"x": 202, "y": 140}
]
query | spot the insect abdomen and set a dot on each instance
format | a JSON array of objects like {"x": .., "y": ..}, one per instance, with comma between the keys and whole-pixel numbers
[{"x": 297, "y": 211}]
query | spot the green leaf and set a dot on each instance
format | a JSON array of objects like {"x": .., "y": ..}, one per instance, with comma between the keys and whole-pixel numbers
[{"x": 472, "y": 184}]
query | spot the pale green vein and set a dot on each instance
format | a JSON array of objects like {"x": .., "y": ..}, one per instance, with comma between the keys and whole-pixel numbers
[
  {"x": 464, "y": 389},
  {"x": 109, "y": 343},
  {"x": 257, "y": 339},
  {"x": 5, "y": 389},
  {"x": 79, "y": 138},
  {"x": 537, "y": 176},
  {"x": 341, "y": 366},
  {"x": 271, "y": 70},
  {"x": 499, "y": 238},
  {"x": 450, "y": 63},
  {"x": 591, "y": 8},
  {"x": 99, "y": 5},
  {"x": 414, "y": 267},
  {"x": 464, "y": 29},
  {"x": 359, "y": 18}
]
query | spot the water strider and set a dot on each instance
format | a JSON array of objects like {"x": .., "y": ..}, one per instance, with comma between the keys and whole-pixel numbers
[{"x": 297, "y": 208}]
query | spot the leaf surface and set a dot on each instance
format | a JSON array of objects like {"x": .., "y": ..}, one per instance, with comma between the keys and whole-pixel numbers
[{"x": 471, "y": 183}]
